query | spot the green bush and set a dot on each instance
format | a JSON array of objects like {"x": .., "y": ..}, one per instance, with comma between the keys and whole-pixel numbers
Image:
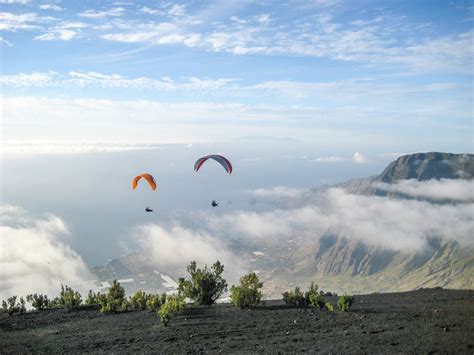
[
  {"x": 138, "y": 300},
  {"x": 344, "y": 302},
  {"x": 67, "y": 298},
  {"x": 311, "y": 293},
  {"x": 205, "y": 285},
  {"x": 173, "y": 304},
  {"x": 114, "y": 300},
  {"x": 317, "y": 300},
  {"x": 92, "y": 298},
  {"x": 295, "y": 298},
  {"x": 38, "y": 302},
  {"x": 248, "y": 293},
  {"x": 329, "y": 307},
  {"x": 155, "y": 301},
  {"x": 310, "y": 297},
  {"x": 11, "y": 306}
]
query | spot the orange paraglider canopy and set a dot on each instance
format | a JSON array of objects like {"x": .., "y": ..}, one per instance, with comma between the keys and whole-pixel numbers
[{"x": 147, "y": 177}]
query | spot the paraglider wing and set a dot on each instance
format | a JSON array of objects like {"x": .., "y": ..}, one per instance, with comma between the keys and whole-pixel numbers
[
  {"x": 219, "y": 158},
  {"x": 147, "y": 177}
]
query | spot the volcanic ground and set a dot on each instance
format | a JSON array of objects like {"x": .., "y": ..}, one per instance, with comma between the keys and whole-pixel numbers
[{"x": 422, "y": 321}]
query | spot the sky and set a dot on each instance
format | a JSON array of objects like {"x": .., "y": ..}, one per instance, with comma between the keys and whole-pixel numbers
[
  {"x": 297, "y": 94},
  {"x": 371, "y": 76}
]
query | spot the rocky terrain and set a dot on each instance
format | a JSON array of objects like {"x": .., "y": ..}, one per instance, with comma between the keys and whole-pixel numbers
[{"x": 423, "y": 321}]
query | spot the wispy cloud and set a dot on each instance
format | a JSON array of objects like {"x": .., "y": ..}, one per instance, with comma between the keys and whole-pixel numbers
[
  {"x": 94, "y": 14},
  {"x": 329, "y": 159},
  {"x": 57, "y": 34},
  {"x": 52, "y": 7},
  {"x": 23, "y": 2},
  {"x": 26, "y": 21},
  {"x": 5, "y": 42}
]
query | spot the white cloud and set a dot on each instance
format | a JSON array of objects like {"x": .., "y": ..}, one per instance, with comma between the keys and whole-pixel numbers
[
  {"x": 177, "y": 10},
  {"x": 69, "y": 147},
  {"x": 94, "y": 79},
  {"x": 14, "y": 2},
  {"x": 176, "y": 246},
  {"x": 50, "y": 7},
  {"x": 279, "y": 192},
  {"x": 93, "y": 14},
  {"x": 400, "y": 225},
  {"x": 5, "y": 42},
  {"x": 359, "y": 158},
  {"x": 444, "y": 189},
  {"x": 57, "y": 34},
  {"x": 12, "y": 22},
  {"x": 34, "y": 255},
  {"x": 329, "y": 159},
  {"x": 150, "y": 11},
  {"x": 40, "y": 79}
]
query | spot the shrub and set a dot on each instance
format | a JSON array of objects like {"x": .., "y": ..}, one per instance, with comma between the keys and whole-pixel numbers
[
  {"x": 92, "y": 298},
  {"x": 11, "y": 306},
  {"x": 173, "y": 304},
  {"x": 311, "y": 293},
  {"x": 113, "y": 301},
  {"x": 317, "y": 300},
  {"x": 127, "y": 304},
  {"x": 248, "y": 292},
  {"x": 345, "y": 302},
  {"x": 138, "y": 300},
  {"x": 155, "y": 301},
  {"x": 329, "y": 307},
  {"x": 67, "y": 298},
  {"x": 205, "y": 285},
  {"x": 38, "y": 302},
  {"x": 295, "y": 298}
]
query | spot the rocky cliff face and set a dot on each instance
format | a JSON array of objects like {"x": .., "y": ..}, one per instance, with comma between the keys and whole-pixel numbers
[
  {"x": 341, "y": 262},
  {"x": 425, "y": 166}
]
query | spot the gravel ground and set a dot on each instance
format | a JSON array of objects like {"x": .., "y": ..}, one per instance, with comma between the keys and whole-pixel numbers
[{"x": 423, "y": 321}]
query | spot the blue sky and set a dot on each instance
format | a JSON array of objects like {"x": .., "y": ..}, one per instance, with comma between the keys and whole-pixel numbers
[{"x": 383, "y": 77}]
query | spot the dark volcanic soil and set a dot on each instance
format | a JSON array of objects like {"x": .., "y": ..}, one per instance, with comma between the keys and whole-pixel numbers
[{"x": 422, "y": 321}]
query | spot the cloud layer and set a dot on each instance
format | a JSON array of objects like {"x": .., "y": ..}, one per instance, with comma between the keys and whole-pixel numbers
[
  {"x": 444, "y": 189},
  {"x": 395, "y": 224},
  {"x": 34, "y": 256},
  {"x": 175, "y": 246}
]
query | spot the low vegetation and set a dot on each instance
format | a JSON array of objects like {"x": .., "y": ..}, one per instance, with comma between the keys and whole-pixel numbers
[
  {"x": 247, "y": 293},
  {"x": 204, "y": 286},
  {"x": 39, "y": 301},
  {"x": 114, "y": 300},
  {"x": 294, "y": 298},
  {"x": 92, "y": 298},
  {"x": 314, "y": 298},
  {"x": 344, "y": 302},
  {"x": 155, "y": 301},
  {"x": 300, "y": 299},
  {"x": 11, "y": 306},
  {"x": 173, "y": 305},
  {"x": 67, "y": 298}
]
